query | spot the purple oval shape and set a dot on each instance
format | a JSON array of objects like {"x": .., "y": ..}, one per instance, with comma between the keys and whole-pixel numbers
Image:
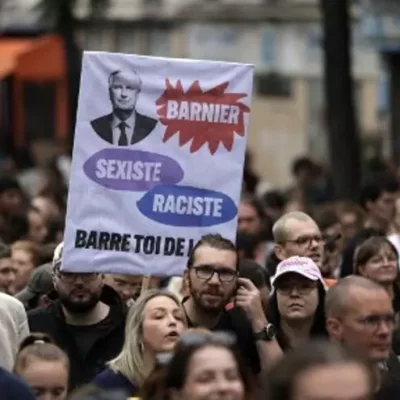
[{"x": 132, "y": 170}]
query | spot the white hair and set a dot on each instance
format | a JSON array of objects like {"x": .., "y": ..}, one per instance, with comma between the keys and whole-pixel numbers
[{"x": 113, "y": 74}]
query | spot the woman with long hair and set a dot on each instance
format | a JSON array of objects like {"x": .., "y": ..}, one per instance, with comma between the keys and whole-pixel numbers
[
  {"x": 153, "y": 326},
  {"x": 296, "y": 306},
  {"x": 203, "y": 366}
]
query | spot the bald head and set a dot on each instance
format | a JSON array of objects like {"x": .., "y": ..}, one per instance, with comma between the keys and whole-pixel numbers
[
  {"x": 338, "y": 298},
  {"x": 359, "y": 314},
  {"x": 280, "y": 228}
]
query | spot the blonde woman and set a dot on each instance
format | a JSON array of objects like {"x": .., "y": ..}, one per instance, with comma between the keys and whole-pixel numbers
[{"x": 153, "y": 326}]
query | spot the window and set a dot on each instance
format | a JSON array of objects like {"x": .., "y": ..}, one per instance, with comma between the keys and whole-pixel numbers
[{"x": 273, "y": 84}]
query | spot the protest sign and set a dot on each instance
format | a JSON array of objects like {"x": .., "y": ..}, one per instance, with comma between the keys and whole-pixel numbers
[{"x": 157, "y": 161}]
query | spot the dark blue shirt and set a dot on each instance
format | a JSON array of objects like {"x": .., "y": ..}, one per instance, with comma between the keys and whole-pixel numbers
[
  {"x": 111, "y": 380},
  {"x": 14, "y": 388}
]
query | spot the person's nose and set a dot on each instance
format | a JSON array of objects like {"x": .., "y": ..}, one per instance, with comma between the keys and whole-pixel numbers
[
  {"x": 46, "y": 396},
  {"x": 314, "y": 243},
  {"x": 172, "y": 321},
  {"x": 10, "y": 278},
  {"x": 243, "y": 225},
  {"x": 387, "y": 262},
  {"x": 385, "y": 328},
  {"x": 126, "y": 292},
  {"x": 214, "y": 280},
  {"x": 294, "y": 291},
  {"x": 222, "y": 385},
  {"x": 79, "y": 281}
]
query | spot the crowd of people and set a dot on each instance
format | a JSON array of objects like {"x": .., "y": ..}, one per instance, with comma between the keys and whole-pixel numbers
[{"x": 303, "y": 306}]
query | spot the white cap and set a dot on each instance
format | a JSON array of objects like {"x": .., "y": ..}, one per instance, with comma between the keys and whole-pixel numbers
[{"x": 303, "y": 266}]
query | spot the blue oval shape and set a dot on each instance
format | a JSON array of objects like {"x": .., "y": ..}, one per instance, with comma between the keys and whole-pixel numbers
[
  {"x": 187, "y": 206},
  {"x": 132, "y": 170}
]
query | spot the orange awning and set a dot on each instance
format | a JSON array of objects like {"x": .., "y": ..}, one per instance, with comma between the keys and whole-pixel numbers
[
  {"x": 10, "y": 50},
  {"x": 40, "y": 59}
]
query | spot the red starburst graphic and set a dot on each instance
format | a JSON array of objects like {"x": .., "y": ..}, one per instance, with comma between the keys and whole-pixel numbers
[{"x": 210, "y": 117}]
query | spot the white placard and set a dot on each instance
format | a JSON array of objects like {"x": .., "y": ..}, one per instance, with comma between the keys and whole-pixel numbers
[{"x": 157, "y": 161}]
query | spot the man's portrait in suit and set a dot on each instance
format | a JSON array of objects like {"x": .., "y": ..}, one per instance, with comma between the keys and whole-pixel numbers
[{"x": 124, "y": 125}]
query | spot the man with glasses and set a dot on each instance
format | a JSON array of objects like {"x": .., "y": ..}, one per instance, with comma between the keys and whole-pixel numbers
[
  {"x": 86, "y": 320},
  {"x": 213, "y": 281},
  {"x": 359, "y": 315},
  {"x": 297, "y": 234}
]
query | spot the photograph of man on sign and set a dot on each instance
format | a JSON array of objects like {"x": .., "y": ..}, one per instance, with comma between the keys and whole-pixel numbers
[{"x": 124, "y": 125}]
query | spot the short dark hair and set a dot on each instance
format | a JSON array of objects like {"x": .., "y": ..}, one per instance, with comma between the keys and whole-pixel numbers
[
  {"x": 5, "y": 251},
  {"x": 17, "y": 227},
  {"x": 255, "y": 272},
  {"x": 216, "y": 241},
  {"x": 271, "y": 263},
  {"x": 283, "y": 377},
  {"x": 266, "y": 221},
  {"x": 375, "y": 186},
  {"x": 274, "y": 199},
  {"x": 302, "y": 163},
  {"x": 246, "y": 244},
  {"x": 9, "y": 183},
  {"x": 255, "y": 203},
  {"x": 325, "y": 218}
]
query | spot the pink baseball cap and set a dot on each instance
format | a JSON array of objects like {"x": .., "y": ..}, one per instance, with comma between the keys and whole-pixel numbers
[{"x": 303, "y": 266}]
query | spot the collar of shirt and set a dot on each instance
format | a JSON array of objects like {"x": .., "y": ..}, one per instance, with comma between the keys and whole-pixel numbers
[{"x": 129, "y": 130}]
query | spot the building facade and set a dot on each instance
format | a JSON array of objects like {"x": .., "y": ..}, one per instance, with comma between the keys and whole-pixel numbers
[
  {"x": 282, "y": 38},
  {"x": 381, "y": 27}
]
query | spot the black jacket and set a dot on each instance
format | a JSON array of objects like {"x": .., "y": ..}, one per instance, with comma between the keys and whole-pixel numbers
[
  {"x": 14, "y": 388},
  {"x": 107, "y": 345},
  {"x": 144, "y": 125}
]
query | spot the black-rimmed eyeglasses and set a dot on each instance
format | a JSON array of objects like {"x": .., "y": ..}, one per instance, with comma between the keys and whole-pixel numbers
[
  {"x": 306, "y": 241},
  {"x": 206, "y": 272}
]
